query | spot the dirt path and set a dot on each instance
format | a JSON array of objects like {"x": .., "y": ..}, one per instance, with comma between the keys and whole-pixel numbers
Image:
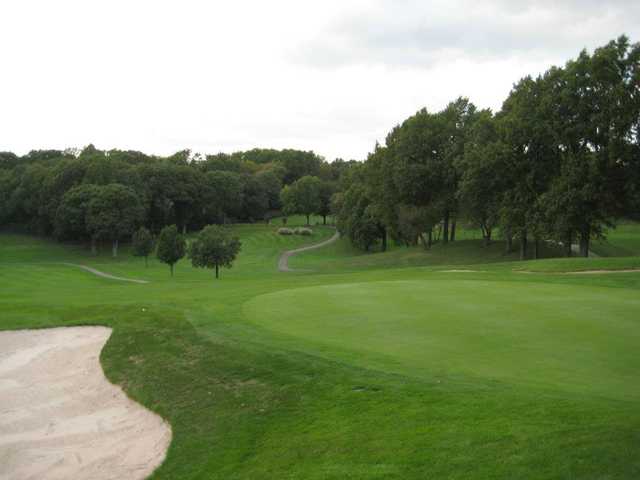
[
  {"x": 60, "y": 417},
  {"x": 104, "y": 275},
  {"x": 283, "y": 262}
]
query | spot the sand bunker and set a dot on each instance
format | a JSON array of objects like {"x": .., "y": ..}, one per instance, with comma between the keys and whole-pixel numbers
[{"x": 60, "y": 417}]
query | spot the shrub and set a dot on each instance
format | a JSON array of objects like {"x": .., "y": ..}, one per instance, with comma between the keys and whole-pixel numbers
[
  {"x": 285, "y": 231},
  {"x": 303, "y": 231}
]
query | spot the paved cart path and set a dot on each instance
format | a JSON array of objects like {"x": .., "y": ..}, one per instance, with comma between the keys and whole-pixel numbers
[
  {"x": 104, "y": 275},
  {"x": 283, "y": 262}
]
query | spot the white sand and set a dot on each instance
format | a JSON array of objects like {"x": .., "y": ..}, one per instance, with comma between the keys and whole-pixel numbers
[{"x": 60, "y": 418}]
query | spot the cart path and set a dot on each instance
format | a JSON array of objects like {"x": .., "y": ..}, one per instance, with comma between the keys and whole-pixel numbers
[
  {"x": 283, "y": 262},
  {"x": 104, "y": 275}
]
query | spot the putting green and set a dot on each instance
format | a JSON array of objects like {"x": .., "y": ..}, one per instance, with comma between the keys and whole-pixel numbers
[{"x": 577, "y": 338}]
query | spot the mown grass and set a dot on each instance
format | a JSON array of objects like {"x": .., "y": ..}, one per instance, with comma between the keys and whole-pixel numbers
[
  {"x": 343, "y": 256},
  {"x": 380, "y": 373}
]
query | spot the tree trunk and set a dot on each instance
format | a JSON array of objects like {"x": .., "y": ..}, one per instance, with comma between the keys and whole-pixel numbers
[
  {"x": 184, "y": 228},
  {"x": 509, "y": 237},
  {"x": 115, "y": 248},
  {"x": 567, "y": 244},
  {"x": 217, "y": 271},
  {"x": 536, "y": 249},
  {"x": 384, "y": 239},
  {"x": 487, "y": 237},
  {"x": 425, "y": 241},
  {"x": 430, "y": 238},
  {"x": 308, "y": 223},
  {"x": 324, "y": 219},
  {"x": 445, "y": 228},
  {"x": 523, "y": 245},
  {"x": 453, "y": 231},
  {"x": 585, "y": 235},
  {"x": 94, "y": 250}
]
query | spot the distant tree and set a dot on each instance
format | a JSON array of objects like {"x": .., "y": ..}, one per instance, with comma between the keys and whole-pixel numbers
[
  {"x": 298, "y": 164},
  {"x": 327, "y": 190},
  {"x": 214, "y": 247},
  {"x": 255, "y": 198},
  {"x": 222, "y": 196},
  {"x": 272, "y": 186},
  {"x": 302, "y": 196},
  {"x": 142, "y": 243},
  {"x": 171, "y": 246},
  {"x": 114, "y": 213},
  {"x": 8, "y": 160},
  {"x": 71, "y": 216},
  {"x": 184, "y": 190}
]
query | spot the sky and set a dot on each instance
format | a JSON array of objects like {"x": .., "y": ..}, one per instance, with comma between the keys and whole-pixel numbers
[{"x": 329, "y": 76}]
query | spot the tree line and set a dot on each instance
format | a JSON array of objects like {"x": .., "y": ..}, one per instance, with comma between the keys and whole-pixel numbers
[
  {"x": 105, "y": 196},
  {"x": 559, "y": 162}
]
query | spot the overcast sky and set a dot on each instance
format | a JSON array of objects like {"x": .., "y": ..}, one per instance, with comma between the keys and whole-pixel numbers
[{"x": 329, "y": 76}]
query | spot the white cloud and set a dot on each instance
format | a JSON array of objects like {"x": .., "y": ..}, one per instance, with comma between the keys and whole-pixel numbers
[{"x": 331, "y": 76}]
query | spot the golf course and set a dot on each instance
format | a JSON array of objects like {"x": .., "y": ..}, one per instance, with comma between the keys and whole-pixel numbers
[{"x": 471, "y": 364}]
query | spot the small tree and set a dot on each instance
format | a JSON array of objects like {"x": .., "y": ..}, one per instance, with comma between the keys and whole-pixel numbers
[
  {"x": 214, "y": 247},
  {"x": 142, "y": 244},
  {"x": 171, "y": 246}
]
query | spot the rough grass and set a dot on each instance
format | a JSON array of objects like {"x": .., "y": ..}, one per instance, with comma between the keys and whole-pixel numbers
[
  {"x": 512, "y": 396},
  {"x": 623, "y": 241}
]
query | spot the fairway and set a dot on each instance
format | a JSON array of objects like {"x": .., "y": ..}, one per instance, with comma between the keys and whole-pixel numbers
[
  {"x": 374, "y": 374},
  {"x": 576, "y": 338}
]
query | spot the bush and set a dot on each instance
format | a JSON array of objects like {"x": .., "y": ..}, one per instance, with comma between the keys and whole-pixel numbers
[
  {"x": 285, "y": 231},
  {"x": 303, "y": 231}
]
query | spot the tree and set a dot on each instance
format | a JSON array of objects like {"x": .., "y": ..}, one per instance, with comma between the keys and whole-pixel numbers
[
  {"x": 171, "y": 246},
  {"x": 358, "y": 218},
  {"x": 255, "y": 198},
  {"x": 114, "y": 213},
  {"x": 327, "y": 190},
  {"x": 142, "y": 244},
  {"x": 70, "y": 222},
  {"x": 214, "y": 247},
  {"x": 481, "y": 183},
  {"x": 302, "y": 196},
  {"x": 222, "y": 196}
]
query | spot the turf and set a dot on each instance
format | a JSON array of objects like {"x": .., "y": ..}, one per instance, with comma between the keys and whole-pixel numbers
[
  {"x": 363, "y": 372},
  {"x": 622, "y": 241}
]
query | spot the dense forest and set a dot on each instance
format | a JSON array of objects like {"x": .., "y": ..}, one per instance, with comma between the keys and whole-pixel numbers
[
  {"x": 93, "y": 195},
  {"x": 559, "y": 162}
]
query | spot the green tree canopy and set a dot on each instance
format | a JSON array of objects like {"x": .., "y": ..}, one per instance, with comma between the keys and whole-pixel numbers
[
  {"x": 214, "y": 247},
  {"x": 171, "y": 246},
  {"x": 142, "y": 244},
  {"x": 303, "y": 196},
  {"x": 114, "y": 213}
]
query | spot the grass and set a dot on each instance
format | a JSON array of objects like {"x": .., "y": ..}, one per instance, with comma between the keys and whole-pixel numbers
[
  {"x": 361, "y": 370},
  {"x": 344, "y": 257},
  {"x": 623, "y": 241}
]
